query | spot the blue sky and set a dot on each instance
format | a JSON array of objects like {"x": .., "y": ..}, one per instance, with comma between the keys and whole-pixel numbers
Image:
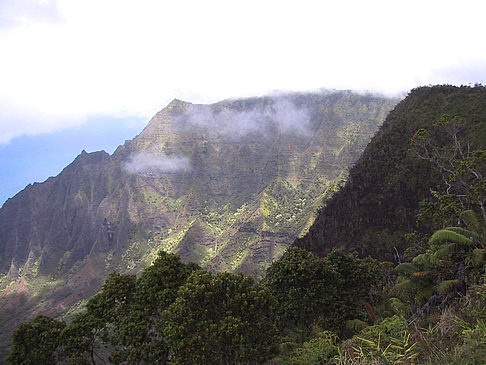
[
  {"x": 71, "y": 69},
  {"x": 29, "y": 159}
]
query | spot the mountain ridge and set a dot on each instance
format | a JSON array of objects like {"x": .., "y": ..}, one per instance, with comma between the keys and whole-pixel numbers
[
  {"x": 380, "y": 200},
  {"x": 194, "y": 172}
]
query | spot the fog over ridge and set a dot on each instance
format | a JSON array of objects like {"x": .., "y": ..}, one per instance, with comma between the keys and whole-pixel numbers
[
  {"x": 152, "y": 161},
  {"x": 282, "y": 115}
]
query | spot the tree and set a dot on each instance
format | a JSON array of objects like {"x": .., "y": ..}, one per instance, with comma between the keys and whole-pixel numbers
[
  {"x": 135, "y": 335},
  {"x": 158, "y": 285},
  {"x": 359, "y": 276},
  {"x": 330, "y": 290},
  {"x": 36, "y": 342},
  {"x": 84, "y": 337},
  {"x": 462, "y": 168},
  {"x": 220, "y": 319}
]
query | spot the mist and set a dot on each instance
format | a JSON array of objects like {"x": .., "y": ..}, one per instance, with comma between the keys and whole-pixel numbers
[
  {"x": 153, "y": 162},
  {"x": 282, "y": 115}
]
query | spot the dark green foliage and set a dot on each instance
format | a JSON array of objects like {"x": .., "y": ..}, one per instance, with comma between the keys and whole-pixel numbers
[
  {"x": 120, "y": 320},
  {"x": 305, "y": 287},
  {"x": 36, "y": 342},
  {"x": 358, "y": 276},
  {"x": 321, "y": 349},
  {"x": 220, "y": 319},
  {"x": 173, "y": 313},
  {"x": 90, "y": 332},
  {"x": 326, "y": 291},
  {"x": 135, "y": 336},
  {"x": 115, "y": 297},
  {"x": 83, "y": 337},
  {"x": 387, "y": 183},
  {"x": 440, "y": 211},
  {"x": 157, "y": 286}
]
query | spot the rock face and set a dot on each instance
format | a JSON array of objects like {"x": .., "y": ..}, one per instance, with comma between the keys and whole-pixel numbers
[{"x": 229, "y": 185}]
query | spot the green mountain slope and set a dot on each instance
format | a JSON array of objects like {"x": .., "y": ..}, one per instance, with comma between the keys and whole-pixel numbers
[
  {"x": 380, "y": 200},
  {"x": 228, "y": 185}
]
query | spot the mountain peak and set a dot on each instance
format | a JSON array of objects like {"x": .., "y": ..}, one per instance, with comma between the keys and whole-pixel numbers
[{"x": 177, "y": 105}]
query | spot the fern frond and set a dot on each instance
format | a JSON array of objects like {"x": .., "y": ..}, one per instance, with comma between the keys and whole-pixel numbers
[
  {"x": 420, "y": 290},
  {"x": 464, "y": 232},
  {"x": 426, "y": 259},
  {"x": 356, "y": 324},
  {"x": 406, "y": 268},
  {"x": 398, "y": 306},
  {"x": 478, "y": 257},
  {"x": 450, "y": 236},
  {"x": 472, "y": 220},
  {"x": 447, "y": 250},
  {"x": 406, "y": 286},
  {"x": 424, "y": 293},
  {"x": 448, "y": 285}
]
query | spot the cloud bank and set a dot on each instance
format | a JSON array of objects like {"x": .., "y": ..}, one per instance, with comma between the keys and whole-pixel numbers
[
  {"x": 152, "y": 162},
  {"x": 282, "y": 115}
]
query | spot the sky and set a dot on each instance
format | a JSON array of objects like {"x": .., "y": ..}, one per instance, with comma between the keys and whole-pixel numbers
[{"x": 89, "y": 74}]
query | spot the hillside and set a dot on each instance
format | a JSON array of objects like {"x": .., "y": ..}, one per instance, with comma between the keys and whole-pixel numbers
[
  {"x": 228, "y": 185},
  {"x": 335, "y": 309},
  {"x": 380, "y": 200}
]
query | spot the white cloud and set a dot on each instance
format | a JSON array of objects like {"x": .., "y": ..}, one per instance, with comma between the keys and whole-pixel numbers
[
  {"x": 154, "y": 162},
  {"x": 126, "y": 57},
  {"x": 282, "y": 114}
]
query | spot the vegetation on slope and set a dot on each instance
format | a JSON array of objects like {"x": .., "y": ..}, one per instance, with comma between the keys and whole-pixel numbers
[
  {"x": 380, "y": 200},
  {"x": 176, "y": 313}
]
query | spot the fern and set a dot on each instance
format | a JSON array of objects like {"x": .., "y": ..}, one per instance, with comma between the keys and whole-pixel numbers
[
  {"x": 398, "y": 306},
  {"x": 356, "y": 324},
  {"x": 447, "y": 250},
  {"x": 424, "y": 294},
  {"x": 406, "y": 286},
  {"x": 450, "y": 236},
  {"x": 464, "y": 232},
  {"x": 426, "y": 260},
  {"x": 448, "y": 285},
  {"x": 419, "y": 289},
  {"x": 472, "y": 221},
  {"x": 478, "y": 257},
  {"x": 406, "y": 268}
]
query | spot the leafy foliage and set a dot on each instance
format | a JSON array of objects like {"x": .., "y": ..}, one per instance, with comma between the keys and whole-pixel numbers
[
  {"x": 321, "y": 349},
  {"x": 327, "y": 291},
  {"x": 220, "y": 319},
  {"x": 36, "y": 342}
]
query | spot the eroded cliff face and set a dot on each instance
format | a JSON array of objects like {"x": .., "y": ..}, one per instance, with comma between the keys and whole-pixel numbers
[{"x": 228, "y": 185}]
